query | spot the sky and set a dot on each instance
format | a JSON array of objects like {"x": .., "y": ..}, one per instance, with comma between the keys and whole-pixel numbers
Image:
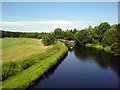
[{"x": 46, "y": 16}]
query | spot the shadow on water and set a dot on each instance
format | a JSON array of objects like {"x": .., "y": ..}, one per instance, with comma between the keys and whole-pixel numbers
[
  {"x": 48, "y": 73},
  {"x": 102, "y": 58}
]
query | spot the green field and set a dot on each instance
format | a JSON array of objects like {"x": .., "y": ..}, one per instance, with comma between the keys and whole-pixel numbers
[
  {"x": 30, "y": 59},
  {"x": 18, "y": 48}
]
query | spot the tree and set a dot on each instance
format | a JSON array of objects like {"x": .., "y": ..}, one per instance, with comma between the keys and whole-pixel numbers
[
  {"x": 58, "y": 33},
  {"x": 69, "y": 35},
  {"x": 109, "y": 36},
  {"x": 90, "y": 35},
  {"x": 101, "y": 29},
  {"x": 39, "y": 36},
  {"x": 80, "y": 37},
  {"x": 48, "y": 39},
  {"x": 74, "y": 31},
  {"x": 115, "y": 46}
]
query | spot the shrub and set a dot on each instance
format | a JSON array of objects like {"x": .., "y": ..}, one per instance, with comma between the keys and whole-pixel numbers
[
  {"x": 39, "y": 37},
  {"x": 48, "y": 39},
  {"x": 115, "y": 49},
  {"x": 10, "y": 69}
]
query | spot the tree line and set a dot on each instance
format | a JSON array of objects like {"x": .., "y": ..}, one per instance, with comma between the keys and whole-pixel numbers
[
  {"x": 58, "y": 34},
  {"x": 22, "y": 34},
  {"x": 104, "y": 34}
]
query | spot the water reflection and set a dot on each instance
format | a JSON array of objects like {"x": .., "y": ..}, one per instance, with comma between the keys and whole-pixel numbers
[
  {"x": 85, "y": 67},
  {"x": 102, "y": 58}
]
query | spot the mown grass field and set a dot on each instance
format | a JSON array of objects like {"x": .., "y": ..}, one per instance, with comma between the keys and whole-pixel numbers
[
  {"x": 18, "y": 48},
  {"x": 23, "y": 71}
]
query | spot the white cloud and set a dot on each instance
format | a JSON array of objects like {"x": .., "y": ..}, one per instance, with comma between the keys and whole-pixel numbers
[
  {"x": 6, "y": 23},
  {"x": 38, "y": 26}
]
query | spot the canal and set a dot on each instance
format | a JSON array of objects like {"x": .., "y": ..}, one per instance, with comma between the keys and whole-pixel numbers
[{"x": 83, "y": 68}]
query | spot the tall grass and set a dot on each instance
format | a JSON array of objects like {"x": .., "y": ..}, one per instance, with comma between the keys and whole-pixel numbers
[
  {"x": 18, "y": 48},
  {"x": 43, "y": 63},
  {"x": 14, "y": 67}
]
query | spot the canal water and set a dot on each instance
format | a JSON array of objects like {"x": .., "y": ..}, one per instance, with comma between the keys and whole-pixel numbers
[{"x": 83, "y": 68}]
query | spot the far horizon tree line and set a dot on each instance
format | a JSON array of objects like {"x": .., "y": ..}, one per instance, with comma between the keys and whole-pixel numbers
[{"x": 104, "y": 34}]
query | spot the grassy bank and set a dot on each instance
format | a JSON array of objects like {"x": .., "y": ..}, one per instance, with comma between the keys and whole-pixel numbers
[
  {"x": 19, "y": 54},
  {"x": 44, "y": 61},
  {"x": 99, "y": 46}
]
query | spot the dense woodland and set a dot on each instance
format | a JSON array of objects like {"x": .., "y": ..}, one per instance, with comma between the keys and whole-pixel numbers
[{"x": 103, "y": 34}]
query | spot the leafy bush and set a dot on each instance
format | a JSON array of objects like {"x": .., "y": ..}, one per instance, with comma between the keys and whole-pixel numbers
[
  {"x": 84, "y": 36},
  {"x": 115, "y": 49},
  {"x": 39, "y": 37},
  {"x": 108, "y": 36},
  {"x": 48, "y": 39},
  {"x": 10, "y": 69}
]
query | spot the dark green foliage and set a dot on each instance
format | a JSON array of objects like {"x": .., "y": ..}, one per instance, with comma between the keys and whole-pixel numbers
[
  {"x": 0, "y": 33},
  {"x": 48, "y": 39},
  {"x": 21, "y": 34},
  {"x": 101, "y": 29},
  {"x": 103, "y": 35},
  {"x": 10, "y": 69},
  {"x": 89, "y": 36},
  {"x": 80, "y": 37},
  {"x": 58, "y": 33},
  {"x": 115, "y": 49},
  {"x": 39, "y": 37},
  {"x": 115, "y": 46},
  {"x": 84, "y": 36},
  {"x": 67, "y": 35},
  {"x": 109, "y": 36}
]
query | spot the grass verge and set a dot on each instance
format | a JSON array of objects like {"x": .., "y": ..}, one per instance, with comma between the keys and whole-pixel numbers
[
  {"x": 99, "y": 46},
  {"x": 29, "y": 75}
]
